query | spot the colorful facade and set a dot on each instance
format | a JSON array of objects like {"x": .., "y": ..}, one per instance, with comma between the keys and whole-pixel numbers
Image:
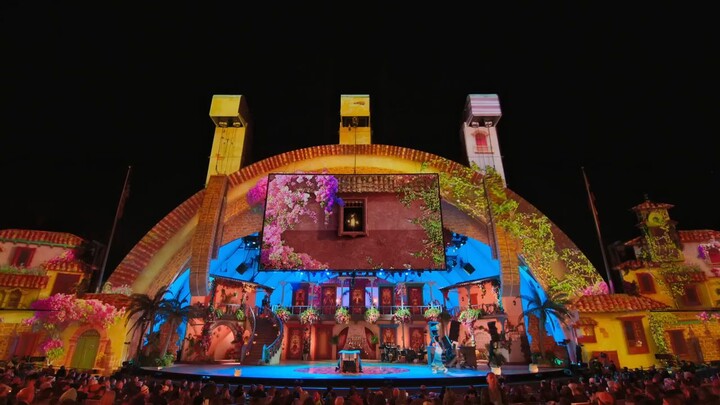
[
  {"x": 670, "y": 305},
  {"x": 214, "y": 235},
  {"x": 35, "y": 265}
]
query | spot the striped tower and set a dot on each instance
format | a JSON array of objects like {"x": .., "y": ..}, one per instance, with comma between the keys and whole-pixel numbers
[{"x": 479, "y": 137}]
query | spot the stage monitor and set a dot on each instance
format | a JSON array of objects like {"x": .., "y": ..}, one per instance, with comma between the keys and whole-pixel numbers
[{"x": 352, "y": 222}]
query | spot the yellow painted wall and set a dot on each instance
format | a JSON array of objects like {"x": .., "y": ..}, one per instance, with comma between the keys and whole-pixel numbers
[
  {"x": 611, "y": 337},
  {"x": 662, "y": 293},
  {"x": 111, "y": 349},
  {"x": 29, "y": 295}
]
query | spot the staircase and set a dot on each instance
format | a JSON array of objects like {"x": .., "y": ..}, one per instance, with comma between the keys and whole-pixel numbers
[{"x": 266, "y": 331}]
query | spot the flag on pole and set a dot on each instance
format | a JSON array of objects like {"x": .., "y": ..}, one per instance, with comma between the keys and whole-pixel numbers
[
  {"x": 125, "y": 194},
  {"x": 591, "y": 198}
]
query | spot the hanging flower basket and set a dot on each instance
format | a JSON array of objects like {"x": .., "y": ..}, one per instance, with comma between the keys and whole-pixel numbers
[
  {"x": 432, "y": 314},
  {"x": 468, "y": 316},
  {"x": 309, "y": 316},
  {"x": 282, "y": 313},
  {"x": 342, "y": 316},
  {"x": 372, "y": 314},
  {"x": 402, "y": 315}
]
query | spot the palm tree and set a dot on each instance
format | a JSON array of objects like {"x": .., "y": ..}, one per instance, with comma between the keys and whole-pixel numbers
[
  {"x": 554, "y": 305},
  {"x": 146, "y": 309},
  {"x": 175, "y": 312}
]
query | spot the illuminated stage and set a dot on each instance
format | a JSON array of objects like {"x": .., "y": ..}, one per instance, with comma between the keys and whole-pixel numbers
[{"x": 323, "y": 374}]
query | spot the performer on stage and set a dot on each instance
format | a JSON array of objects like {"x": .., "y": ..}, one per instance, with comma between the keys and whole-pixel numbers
[{"x": 437, "y": 364}]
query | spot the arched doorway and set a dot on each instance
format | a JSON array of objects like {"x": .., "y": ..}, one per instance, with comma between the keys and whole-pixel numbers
[
  {"x": 86, "y": 350},
  {"x": 227, "y": 341}
]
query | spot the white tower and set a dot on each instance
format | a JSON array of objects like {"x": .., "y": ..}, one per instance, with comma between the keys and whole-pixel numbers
[{"x": 479, "y": 136}]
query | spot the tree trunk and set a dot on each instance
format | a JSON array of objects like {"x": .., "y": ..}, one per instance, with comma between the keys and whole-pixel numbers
[
  {"x": 169, "y": 338},
  {"x": 140, "y": 341},
  {"x": 541, "y": 337}
]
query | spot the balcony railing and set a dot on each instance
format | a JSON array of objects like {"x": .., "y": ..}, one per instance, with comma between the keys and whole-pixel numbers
[{"x": 418, "y": 311}]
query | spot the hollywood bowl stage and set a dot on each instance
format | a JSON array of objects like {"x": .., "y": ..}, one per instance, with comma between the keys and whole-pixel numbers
[{"x": 323, "y": 374}]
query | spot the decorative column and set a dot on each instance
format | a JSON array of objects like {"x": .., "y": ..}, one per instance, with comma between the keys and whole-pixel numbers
[{"x": 282, "y": 293}]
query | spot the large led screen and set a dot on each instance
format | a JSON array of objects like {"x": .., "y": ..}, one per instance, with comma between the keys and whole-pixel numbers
[{"x": 347, "y": 222}]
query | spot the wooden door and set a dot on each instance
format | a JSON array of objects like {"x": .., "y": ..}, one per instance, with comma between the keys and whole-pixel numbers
[
  {"x": 323, "y": 342},
  {"x": 86, "y": 350}
]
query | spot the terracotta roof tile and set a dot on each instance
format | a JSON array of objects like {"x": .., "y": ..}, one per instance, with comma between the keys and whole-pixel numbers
[
  {"x": 636, "y": 264},
  {"x": 701, "y": 236},
  {"x": 71, "y": 266},
  {"x": 615, "y": 303},
  {"x": 649, "y": 205},
  {"x": 117, "y": 300},
  {"x": 40, "y": 237},
  {"x": 23, "y": 280}
]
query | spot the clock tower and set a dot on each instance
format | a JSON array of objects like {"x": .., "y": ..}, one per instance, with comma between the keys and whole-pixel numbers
[{"x": 661, "y": 242}]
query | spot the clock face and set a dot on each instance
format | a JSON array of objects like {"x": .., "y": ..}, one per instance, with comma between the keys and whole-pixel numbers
[{"x": 656, "y": 218}]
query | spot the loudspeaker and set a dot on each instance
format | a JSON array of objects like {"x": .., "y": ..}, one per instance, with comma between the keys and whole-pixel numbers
[
  {"x": 454, "y": 333},
  {"x": 241, "y": 268},
  {"x": 492, "y": 328}
]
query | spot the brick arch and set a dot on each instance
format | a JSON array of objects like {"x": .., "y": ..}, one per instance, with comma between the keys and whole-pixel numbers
[{"x": 164, "y": 251}]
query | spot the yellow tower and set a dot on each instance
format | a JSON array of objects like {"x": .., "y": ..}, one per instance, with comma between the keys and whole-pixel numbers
[
  {"x": 355, "y": 119},
  {"x": 230, "y": 147},
  {"x": 231, "y": 143}
]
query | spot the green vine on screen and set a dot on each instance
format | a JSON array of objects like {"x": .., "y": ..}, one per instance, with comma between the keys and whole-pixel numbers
[
  {"x": 659, "y": 245},
  {"x": 677, "y": 276},
  {"x": 465, "y": 187},
  {"x": 659, "y": 321},
  {"x": 430, "y": 221}
]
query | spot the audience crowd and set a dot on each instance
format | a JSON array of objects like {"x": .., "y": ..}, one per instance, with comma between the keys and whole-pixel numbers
[{"x": 23, "y": 384}]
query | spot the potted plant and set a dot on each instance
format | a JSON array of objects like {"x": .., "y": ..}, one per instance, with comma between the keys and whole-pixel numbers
[
  {"x": 468, "y": 316},
  {"x": 372, "y": 314},
  {"x": 432, "y": 314},
  {"x": 402, "y": 315},
  {"x": 496, "y": 361},
  {"x": 309, "y": 316},
  {"x": 535, "y": 360},
  {"x": 282, "y": 313},
  {"x": 342, "y": 316}
]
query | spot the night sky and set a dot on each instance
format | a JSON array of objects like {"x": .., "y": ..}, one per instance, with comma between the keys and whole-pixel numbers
[{"x": 88, "y": 90}]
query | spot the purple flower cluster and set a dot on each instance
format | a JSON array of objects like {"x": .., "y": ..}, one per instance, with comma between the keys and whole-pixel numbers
[{"x": 288, "y": 200}]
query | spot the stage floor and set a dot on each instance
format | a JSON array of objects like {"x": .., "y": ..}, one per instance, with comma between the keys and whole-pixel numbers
[{"x": 323, "y": 374}]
